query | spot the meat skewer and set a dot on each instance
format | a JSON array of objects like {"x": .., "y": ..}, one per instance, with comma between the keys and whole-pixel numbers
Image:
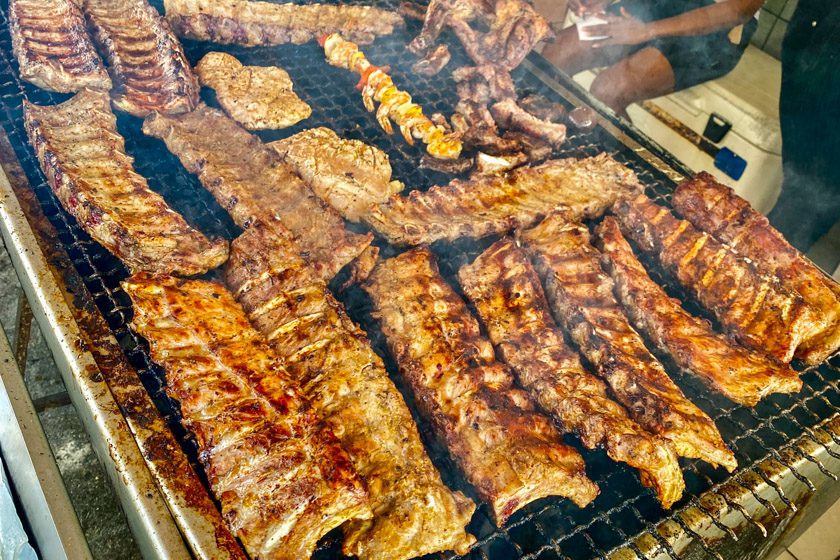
[
  {"x": 581, "y": 296},
  {"x": 506, "y": 292},
  {"x": 716, "y": 209},
  {"x": 496, "y": 204},
  {"x": 414, "y": 512},
  {"x": 250, "y": 23},
  {"x": 52, "y": 46},
  {"x": 83, "y": 156},
  {"x": 282, "y": 480},
  {"x": 756, "y": 309},
  {"x": 377, "y": 85},
  {"x": 509, "y": 453},
  {"x": 742, "y": 375}
]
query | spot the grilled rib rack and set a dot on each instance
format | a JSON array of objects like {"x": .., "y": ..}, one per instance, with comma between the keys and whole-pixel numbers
[{"x": 787, "y": 447}]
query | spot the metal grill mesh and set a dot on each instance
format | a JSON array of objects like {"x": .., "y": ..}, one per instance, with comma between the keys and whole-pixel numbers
[{"x": 550, "y": 528}]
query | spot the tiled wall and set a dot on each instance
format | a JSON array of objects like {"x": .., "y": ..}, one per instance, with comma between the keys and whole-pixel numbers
[{"x": 772, "y": 24}]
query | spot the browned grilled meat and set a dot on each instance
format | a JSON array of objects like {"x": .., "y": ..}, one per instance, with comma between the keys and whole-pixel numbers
[
  {"x": 433, "y": 62},
  {"x": 251, "y": 24},
  {"x": 716, "y": 209},
  {"x": 543, "y": 108},
  {"x": 510, "y": 115},
  {"x": 510, "y": 454},
  {"x": 496, "y": 204},
  {"x": 349, "y": 175},
  {"x": 754, "y": 308},
  {"x": 282, "y": 480},
  {"x": 84, "y": 159},
  {"x": 414, "y": 513},
  {"x": 581, "y": 295},
  {"x": 742, "y": 375},
  {"x": 53, "y": 48},
  {"x": 506, "y": 292},
  {"x": 146, "y": 60},
  {"x": 250, "y": 181}
]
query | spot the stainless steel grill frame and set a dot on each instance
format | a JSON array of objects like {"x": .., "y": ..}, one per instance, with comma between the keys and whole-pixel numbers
[{"x": 788, "y": 447}]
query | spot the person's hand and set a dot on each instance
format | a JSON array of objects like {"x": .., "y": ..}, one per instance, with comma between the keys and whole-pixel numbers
[
  {"x": 588, "y": 7},
  {"x": 621, "y": 30}
]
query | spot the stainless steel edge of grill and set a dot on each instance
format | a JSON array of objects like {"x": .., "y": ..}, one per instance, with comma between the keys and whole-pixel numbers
[{"x": 788, "y": 446}]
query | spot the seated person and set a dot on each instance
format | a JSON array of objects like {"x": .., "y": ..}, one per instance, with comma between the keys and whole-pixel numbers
[{"x": 655, "y": 47}]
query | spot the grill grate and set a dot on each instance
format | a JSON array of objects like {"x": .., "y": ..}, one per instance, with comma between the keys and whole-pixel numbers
[{"x": 550, "y": 528}]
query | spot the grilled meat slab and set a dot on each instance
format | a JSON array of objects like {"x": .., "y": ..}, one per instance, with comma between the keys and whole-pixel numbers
[
  {"x": 510, "y": 115},
  {"x": 742, "y": 375},
  {"x": 52, "y": 46},
  {"x": 249, "y": 180},
  {"x": 496, "y": 204},
  {"x": 84, "y": 159},
  {"x": 414, "y": 512},
  {"x": 581, "y": 295},
  {"x": 282, "y": 480},
  {"x": 253, "y": 24},
  {"x": 511, "y": 454},
  {"x": 754, "y": 308},
  {"x": 505, "y": 290},
  {"x": 349, "y": 175},
  {"x": 716, "y": 209},
  {"x": 146, "y": 61},
  {"x": 257, "y": 97}
]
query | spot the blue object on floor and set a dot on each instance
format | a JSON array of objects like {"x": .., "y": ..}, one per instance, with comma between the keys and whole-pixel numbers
[
  {"x": 14, "y": 544},
  {"x": 730, "y": 163}
]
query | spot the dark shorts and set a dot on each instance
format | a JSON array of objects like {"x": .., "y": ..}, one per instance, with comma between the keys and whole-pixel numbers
[{"x": 694, "y": 59}]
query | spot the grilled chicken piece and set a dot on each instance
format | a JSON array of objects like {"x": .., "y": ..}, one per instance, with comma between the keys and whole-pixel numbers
[
  {"x": 510, "y": 115},
  {"x": 84, "y": 159},
  {"x": 742, "y": 375},
  {"x": 414, "y": 512},
  {"x": 282, "y": 480},
  {"x": 257, "y": 97},
  {"x": 253, "y": 24},
  {"x": 756, "y": 309},
  {"x": 496, "y": 204},
  {"x": 511, "y": 454},
  {"x": 433, "y": 62},
  {"x": 581, "y": 295},
  {"x": 249, "y": 180},
  {"x": 716, "y": 209},
  {"x": 348, "y": 174},
  {"x": 146, "y": 61},
  {"x": 53, "y": 48},
  {"x": 506, "y": 292}
]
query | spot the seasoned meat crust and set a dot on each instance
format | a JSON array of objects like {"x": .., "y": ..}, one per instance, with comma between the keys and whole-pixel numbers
[
  {"x": 744, "y": 376},
  {"x": 495, "y": 204},
  {"x": 509, "y": 453},
  {"x": 248, "y": 179},
  {"x": 147, "y": 63},
  {"x": 505, "y": 290},
  {"x": 252, "y": 24},
  {"x": 414, "y": 512},
  {"x": 581, "y": 296},
  {"x": 716, "y": 209},
  {"x": 754, "y": 308},
  {"x": 282, "y": 480},
  {"x": 84, "y": 159},
  {"x": 53, "y": 48}
]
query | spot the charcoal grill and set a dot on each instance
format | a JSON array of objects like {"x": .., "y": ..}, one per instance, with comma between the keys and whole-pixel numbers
[{"x": 788, "y": 447}]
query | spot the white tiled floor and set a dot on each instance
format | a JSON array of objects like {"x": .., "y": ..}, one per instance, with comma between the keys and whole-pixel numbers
[{"x": 820, "y": 542}]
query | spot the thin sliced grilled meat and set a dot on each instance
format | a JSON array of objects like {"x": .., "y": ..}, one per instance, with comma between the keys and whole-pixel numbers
[
  {"x": 349, "y": 175},
  {"x": 252, "y": 24},
  {"x": 505, "y": 290},
  {"x": 742, "y": 375},
  {"x": 84, "y": 159},
  {"x": 716, "y": 209},
  {"x": 496, "y": 204},
  {"x": 582, "y": 299},
  {"x": 147, "y": 63},
  {"x": 754, "y": 308},
  {"x": 414, "y": 512},
  {"x": 511, "y": 454},
  {"x": 282, "y": 480},
  {"x": 249, "y": 180},
  {"x": 52, "y": 46}
]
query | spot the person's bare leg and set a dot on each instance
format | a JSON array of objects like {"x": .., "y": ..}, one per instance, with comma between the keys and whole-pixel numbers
[
  {"x": 571, "y": 55},
  {"x": 642, "y": 75}
]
